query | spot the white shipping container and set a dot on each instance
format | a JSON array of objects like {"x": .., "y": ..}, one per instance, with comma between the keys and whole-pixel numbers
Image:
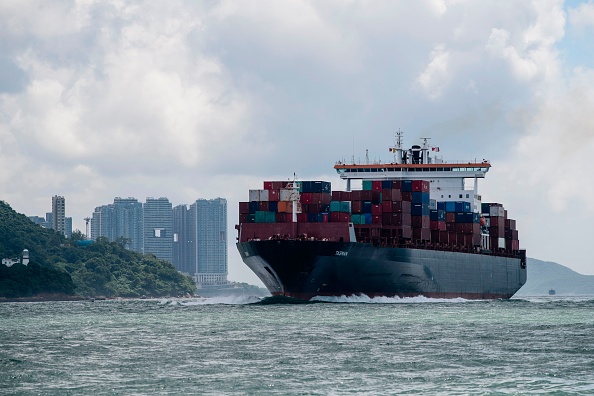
[
  {"x": 254, "y": 195},
  {"x": 496, "y": 211},
  {"x": 285, "y": 194},
  {"x": 502, "y": 243},
  {"x": 263, "y": 195},
  {"x": 432, "y": 204}
]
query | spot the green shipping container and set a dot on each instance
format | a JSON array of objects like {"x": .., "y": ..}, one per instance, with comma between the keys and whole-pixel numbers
[
  {"x": 335, "y": 206},
  {"x": 270, "y": 217},
  {"x": 345, "y": 206},
  {"x": 367, "y": 185},
  {"x": 357, "y": 219}
]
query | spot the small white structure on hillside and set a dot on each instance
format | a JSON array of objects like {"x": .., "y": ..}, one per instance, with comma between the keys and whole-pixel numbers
[{"x": 9, "y": 262}]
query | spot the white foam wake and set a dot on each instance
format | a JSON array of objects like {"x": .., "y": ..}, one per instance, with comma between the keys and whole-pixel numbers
[
  {"x": 223, "y": 300},
  {"x": 363, "y": 299}
]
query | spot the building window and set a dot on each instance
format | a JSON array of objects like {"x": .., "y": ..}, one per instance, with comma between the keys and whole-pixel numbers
[
  {"x": 159, "y": 232},
  {"x": 460, "y": 196}
]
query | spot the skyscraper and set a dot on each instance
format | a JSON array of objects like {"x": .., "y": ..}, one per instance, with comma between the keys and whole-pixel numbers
[
  {"x": 158, "y": 228},
  {"x": 122, "y": 219},
  {"x": 59, "y": 214},
  {"x": 209, "y": 229},
  {"x": 128, "y": 214},
  {"x": 183, "y": 245}
]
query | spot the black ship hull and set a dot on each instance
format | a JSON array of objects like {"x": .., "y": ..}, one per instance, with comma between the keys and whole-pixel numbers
[{"x": 304, "y": 269}]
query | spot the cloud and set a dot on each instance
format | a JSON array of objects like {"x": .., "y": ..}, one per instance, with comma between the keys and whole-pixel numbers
[
  {"x": 433, "y": 79},
  {"x": 582, "y": 16},
  {"x": 202, "y": 99}
]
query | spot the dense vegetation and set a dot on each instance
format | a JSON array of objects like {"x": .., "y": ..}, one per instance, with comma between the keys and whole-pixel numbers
[{"x": 61, "y": 266}]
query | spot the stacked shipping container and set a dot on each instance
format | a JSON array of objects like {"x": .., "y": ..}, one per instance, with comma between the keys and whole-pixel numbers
[{"x": 384, "y": 211}]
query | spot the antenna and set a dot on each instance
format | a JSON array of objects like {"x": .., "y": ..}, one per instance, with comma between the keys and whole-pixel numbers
[
  {"x": 367, "y": 156},
  {"x": 399, "y": 136}
]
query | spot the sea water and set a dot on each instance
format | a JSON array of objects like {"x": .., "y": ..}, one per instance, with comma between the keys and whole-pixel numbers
[{"x": 348, "y": 345}]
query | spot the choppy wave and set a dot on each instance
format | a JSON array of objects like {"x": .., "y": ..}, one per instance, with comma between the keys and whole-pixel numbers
[
  {"x": 363, "y": 299},
  {"x": 222, "y": 300}
]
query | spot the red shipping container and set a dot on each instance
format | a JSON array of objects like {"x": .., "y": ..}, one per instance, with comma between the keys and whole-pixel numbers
[
  {"x": 305, "y": 198},
  {"x": 316, "y": 198},
  {"x": 263, "y": 206},
  {"x": 376, "y": 209},
  {"x": 444, "y": 237},
  {"x": 356, "y": 207},
  {"x": 387, "y": 207},
  {"x": 356, "y": 195},
  {"x": 401, "y": 219},
  {"x": 376, "y": 185},
  {"x": 420, "y": 221},
  {"x": 496, "y": 221},
  {"x": 437, "y": 225},
  {"x": 376, "y": 219},
  {"x": 327, "y": 198},
  {"x": 420, "y": 186},
  {"x": 434, "y": 235},
  {"x": 277, "y": 185},
  {"x": 407, "y": 196},
  {"x": 512, "y": 245},
  {"x": 405, "y": 232},
  {"x": 273, "y": 195},
  {"x": 401, "y": 207},
  {"x": 346, "y": 196},
  {"x": 396, "y": 195},
  {"x": 511, "y": 234},
  {"x": 366, "y": 195},
  {"x": 282, "y": 218},
  {"x": 386, "y": 219},
  {"x": 498, "y": 232},
  {"x": 453, "y": 237},
  {"x": 340, "y": 217},
  {"x": 510, "y": 223},
  {"x": 243, "y": 218},
  {"x": 421, "y": 233},
  {"x": 397, "y": 184},
  {"x": 302, "y": 217},
  {"x": 244, "y": 207},
  {"x": 267, "y": 185},
  {"x": 337, "y": 196},
  {"x": 325, "y": 218},
  {"x": 387, "y": 194},
  {"x": 450, "y": 217}
]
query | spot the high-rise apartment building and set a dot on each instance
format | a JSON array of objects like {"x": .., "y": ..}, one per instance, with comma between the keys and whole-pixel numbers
[
  {"x": 59, "y": 214},
  {"x": 158, "y": 228},
  {"x": 122, "y": 219},
  {"x": 129, "y": 216},
  {"x": 68, "y": 227},
  {"x": 208, "y": 226},
  {"x": 183, "y": 244}
]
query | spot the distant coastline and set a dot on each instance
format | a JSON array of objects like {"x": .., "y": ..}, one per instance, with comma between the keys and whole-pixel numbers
[{"x": 44, "y": 297}]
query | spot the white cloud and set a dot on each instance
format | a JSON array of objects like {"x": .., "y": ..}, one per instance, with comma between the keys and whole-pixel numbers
[
  {"x": 188, "y": 100},
  {"x": 435, "y": 76},
  {"x": 582, "y": 16}
]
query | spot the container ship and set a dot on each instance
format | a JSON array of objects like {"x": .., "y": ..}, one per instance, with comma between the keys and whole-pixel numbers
[{"x": 413, "y": 228}]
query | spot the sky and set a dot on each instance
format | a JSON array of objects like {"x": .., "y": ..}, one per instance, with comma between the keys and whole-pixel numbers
[{"x": 206, "y": 99}]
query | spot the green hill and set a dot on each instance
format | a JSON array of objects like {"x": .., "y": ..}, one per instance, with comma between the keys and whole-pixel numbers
[
  {"x": 59, "y": 266},
  {"x": 546, "y": 275}
]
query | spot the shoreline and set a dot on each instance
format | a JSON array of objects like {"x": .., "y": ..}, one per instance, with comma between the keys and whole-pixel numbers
[{"x": 44, "y": 297}]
